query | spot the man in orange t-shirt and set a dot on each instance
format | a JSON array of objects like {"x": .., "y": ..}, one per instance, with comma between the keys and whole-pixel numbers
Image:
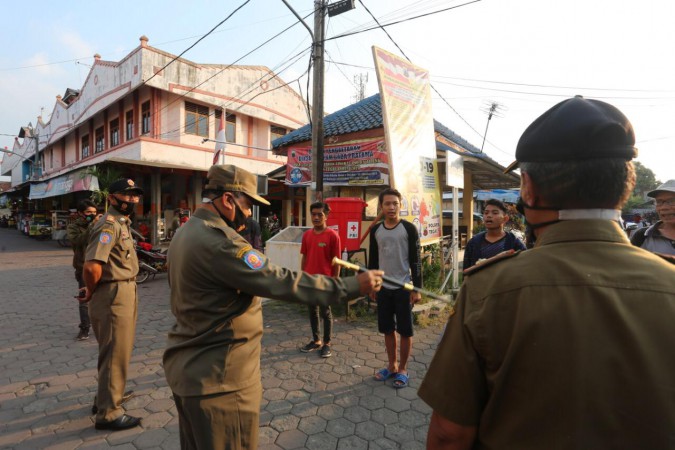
[{"x": 319, "y": 246}]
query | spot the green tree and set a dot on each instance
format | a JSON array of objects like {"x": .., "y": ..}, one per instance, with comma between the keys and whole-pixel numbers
[
  {"x": 645, "y": 180},
  {"x": 106, "y": 176}
]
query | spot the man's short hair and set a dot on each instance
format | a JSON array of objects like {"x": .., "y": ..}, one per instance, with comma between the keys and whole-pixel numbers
[
  {"x": 84, "y": 204},
  {"x": 389, "y": 191},
  {"x": 499, "y": 204},
  {"x": 320, "y": 205},
  {"x": 590, "y": 183}
]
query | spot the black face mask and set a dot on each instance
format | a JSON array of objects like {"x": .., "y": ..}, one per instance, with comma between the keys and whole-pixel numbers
[
  {"x": 89, "y": 217},
  {"x": 531, "y": 238},
  {"x": 124, "y": 207},
  {"x": 239, "y": 220}
]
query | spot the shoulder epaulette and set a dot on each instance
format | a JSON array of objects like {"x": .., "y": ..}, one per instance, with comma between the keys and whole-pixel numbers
[
  {"x": 491, "y": 261},
  {"x": 109, "y": 219}
]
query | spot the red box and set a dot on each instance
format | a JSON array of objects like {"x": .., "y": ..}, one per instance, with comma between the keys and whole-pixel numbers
[{"x": 345, "y": 215}]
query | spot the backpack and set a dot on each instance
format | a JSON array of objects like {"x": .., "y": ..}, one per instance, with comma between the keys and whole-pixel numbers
[{"x": 638, "y": 237}]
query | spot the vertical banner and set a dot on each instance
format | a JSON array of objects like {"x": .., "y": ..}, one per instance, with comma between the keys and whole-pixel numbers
[{"x": 409, "y": 133}]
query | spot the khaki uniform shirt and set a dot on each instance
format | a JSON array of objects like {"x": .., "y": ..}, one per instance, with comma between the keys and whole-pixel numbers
[
  {"x": 215, "y": 277},
  {"x": 111, "y": 243},
  {"x": 568, "y": 345}
]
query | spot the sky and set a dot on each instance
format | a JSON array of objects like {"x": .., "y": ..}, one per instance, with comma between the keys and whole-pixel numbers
[{"x": 525, "y": 55}]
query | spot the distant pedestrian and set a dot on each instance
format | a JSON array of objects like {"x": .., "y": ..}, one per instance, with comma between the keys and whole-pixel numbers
[
  {"x": 494, "y": 240},
  {"x": 252, "y": 233},
  {"x": 319, "y": 246},
  {"x": 660, "y": 237},
  {"x": 78, "y": 235}
]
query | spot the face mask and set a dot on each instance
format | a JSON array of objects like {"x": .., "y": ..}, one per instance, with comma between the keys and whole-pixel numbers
[
  {"x": 89, "y": 217},
  {"x": 124, "y": 207},
  {"x": 521, "y": 206},
  {"x": 239, "y": 220}
]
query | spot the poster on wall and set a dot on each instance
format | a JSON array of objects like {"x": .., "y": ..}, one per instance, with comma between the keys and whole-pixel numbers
[
  {"x": 359, "y": 163},
  {"x": 409, "y": 133}
]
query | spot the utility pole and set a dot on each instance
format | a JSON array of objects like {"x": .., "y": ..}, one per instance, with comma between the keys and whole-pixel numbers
[
  {"x": 317, "y": 98},
  {"x": 320, "y": 8}
]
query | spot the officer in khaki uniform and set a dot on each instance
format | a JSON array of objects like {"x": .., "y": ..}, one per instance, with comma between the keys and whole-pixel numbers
[
  {"x": 110, "y": 277},
  {"x": 567, "y": 345},
  {"x": 212, "y": 360}
]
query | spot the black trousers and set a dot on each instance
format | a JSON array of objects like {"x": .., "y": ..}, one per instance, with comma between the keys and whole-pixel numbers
[
  {"x": 85, "y": 323},
  {"x": 325, "y": 313}
]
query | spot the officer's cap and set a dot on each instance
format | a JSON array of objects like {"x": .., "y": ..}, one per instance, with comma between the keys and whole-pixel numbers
[
  {"x": 231, "y": 178},
  {"x": 668, "y": 186},
  {"x": 576, "y": 129},
  {"x": 125, "y": 185}
]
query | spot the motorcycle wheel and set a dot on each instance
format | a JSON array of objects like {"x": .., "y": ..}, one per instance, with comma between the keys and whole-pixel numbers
[{"x": 142, "y": 276}]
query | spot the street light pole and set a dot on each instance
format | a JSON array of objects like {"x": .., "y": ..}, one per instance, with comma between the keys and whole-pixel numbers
[
  {"x": 317, "y": 97},
  {"x": 317, "y": 93}
]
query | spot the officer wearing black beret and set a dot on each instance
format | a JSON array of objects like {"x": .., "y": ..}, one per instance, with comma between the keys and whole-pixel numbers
[
  {"x": 109, "y": 273},
  {"x": 567, "y": 345},
  {"x": 212, "y": 361}
]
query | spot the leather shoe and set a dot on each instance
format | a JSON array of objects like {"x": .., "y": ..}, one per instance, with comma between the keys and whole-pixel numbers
[
  {"x": 121, "y": 423},
  {"x": 126, "y": 396}
]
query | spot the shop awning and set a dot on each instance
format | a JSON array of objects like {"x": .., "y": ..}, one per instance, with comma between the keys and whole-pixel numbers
[{"x": 64, "y": 184}]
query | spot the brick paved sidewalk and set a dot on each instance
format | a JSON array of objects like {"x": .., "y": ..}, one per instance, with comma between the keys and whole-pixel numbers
[{"x": 47, "y": 379}]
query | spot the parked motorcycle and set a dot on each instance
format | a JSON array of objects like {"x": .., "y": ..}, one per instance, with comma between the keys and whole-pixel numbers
[{"x": 151, "y": 261}]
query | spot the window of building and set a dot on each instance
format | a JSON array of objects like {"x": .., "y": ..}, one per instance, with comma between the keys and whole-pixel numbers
[
  {"x": 145, "y": 117},
  {"x": 230, "y": 125},
  {"x": 130, "y": 124},
  {"x": 196, "y": 119},
  {"x": 277, "y": 132},
  {"x": 85, "y": 146},
  {"x": 51, "y": 158},
  {"x": 230, "y": 128},
  {"x": 99, "y": 143},
  {"x": 114, "y": 133}
]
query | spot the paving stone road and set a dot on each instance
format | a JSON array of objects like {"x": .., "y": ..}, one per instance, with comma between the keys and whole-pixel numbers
[{"x": 48, "y": 379}]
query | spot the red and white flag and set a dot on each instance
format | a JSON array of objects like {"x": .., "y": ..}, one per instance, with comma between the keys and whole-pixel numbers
[{"x": 220, "y": 141}]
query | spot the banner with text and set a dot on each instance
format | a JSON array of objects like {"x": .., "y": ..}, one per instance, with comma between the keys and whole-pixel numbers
[
  {"x": 64, "y": 184},
  {"x": 353, "y": 164},
  {"x": 409, "y": 133}
]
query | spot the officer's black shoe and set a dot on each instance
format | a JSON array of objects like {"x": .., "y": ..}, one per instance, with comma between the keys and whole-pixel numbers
[
  {"x": 125, "y": 397},
  {"x": 121, "y": 423}
]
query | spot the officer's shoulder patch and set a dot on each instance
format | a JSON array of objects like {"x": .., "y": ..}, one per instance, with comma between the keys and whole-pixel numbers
[
  {"x": 491, "y": 261},
  {"x": 105, "y": 237},
  {"x": 253, "y": 259},
  {"x": 668, "y": 258}
]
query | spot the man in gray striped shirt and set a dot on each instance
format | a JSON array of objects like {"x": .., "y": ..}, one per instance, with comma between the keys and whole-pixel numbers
[{"x": 395, "y": 249}]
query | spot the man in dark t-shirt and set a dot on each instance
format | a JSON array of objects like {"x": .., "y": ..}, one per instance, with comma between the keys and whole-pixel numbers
[{"x": 494, "y": 240}]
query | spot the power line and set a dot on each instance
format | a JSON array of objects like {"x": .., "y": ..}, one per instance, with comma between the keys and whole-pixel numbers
[
  {"x": 431, "y": 85},
  {"x": 197, "y": 41},
  {"x": 553, "y": 86},
  {"x": 400, "y": 21},
  {"x": 48, "y": 136}
]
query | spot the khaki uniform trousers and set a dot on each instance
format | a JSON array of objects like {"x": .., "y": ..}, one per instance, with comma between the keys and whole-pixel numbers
[
  {"x": 113, "y": 310},
  {"x": 228, "y": 420}
]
